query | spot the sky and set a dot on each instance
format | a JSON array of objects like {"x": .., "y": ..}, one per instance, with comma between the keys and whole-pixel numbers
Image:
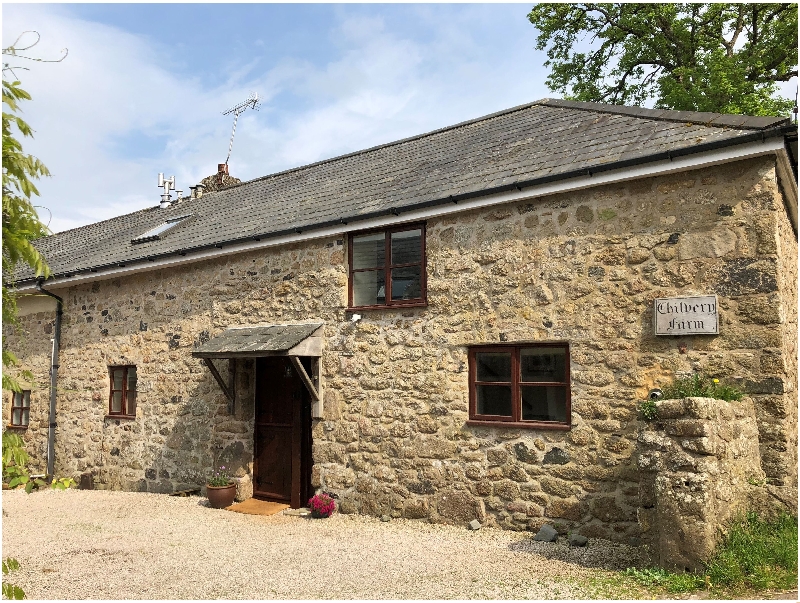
[{"x": 144, "y": 86}]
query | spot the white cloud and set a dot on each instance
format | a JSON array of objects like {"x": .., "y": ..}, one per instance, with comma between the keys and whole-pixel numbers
[{"x": 111, "y": 116}]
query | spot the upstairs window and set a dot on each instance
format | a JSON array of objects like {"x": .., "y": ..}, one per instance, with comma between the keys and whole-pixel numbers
[
  {"x": 122, "y": 400},
  {"x": 387, "y": 268},
  {"x": 520, "y": 385},
  {"x": 20, "y": 408}
]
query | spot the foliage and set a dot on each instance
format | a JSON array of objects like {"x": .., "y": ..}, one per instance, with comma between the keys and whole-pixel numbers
[
  {"x": 21, "y": 224},
  {"x": 15, "y": 459},
  {"x": 756, "y": 554},
  {"x": 699, "y": 386},
  {"x": 9, "y": 590},
  {"x": 724, "y": 58},
  {"x": 219, "y": 477},
  {"x": 321, "y": 505},
  {"x": 648, "y": 410},
  {"x": 15, "y": 472}
]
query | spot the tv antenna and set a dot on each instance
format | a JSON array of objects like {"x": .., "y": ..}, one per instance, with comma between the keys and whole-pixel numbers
[{"x": 252, "y": 102}]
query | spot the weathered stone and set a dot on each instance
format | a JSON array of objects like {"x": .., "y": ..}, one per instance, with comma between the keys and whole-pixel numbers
[
  {"x": 415, "y": 508},
  {"x": 546, "y": 534},
  {"x": 524, "y": 454},
  {"x": 459, "y": 506},
  {"x": 506, "y": 489},
  {"x": 556, "y": 456},
  {"x": 578, "y": 540},
  {"x": 565, "y": 508},
  {"x": 497, "y": 456},
  {"x": 475, "y": 525}
]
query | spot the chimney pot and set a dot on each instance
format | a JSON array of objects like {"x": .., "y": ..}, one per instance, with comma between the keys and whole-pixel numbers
[{"x": 222, "y": 170}]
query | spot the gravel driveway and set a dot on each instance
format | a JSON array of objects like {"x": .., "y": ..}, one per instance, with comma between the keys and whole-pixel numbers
[{"x": 124, "y": 545}]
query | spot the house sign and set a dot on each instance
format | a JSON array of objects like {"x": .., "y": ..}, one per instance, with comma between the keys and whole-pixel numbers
[{"x": 686, "y": 315}]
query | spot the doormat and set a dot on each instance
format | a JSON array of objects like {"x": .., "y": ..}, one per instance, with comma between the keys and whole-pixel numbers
[{"x": 254, "y": 506}]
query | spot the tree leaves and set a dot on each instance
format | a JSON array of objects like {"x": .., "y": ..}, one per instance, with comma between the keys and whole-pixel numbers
[
  {"x": 21, "y": 224},
  {"x": 695, "y": 57}
]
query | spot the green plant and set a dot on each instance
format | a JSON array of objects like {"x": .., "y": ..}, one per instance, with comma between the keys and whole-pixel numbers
[
  {"x": 15, "y": 472},
  {"x": 9, "y": 590},
  {"x": 648, "y": 410},
  {"x": 756, "y": 554},
  {"x": 219, "y": 477},
  {"x": 700, "y": 386},
  {"x": 14, "y": 461}
]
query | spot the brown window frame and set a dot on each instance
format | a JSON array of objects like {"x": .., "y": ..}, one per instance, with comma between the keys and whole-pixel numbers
[
  {"x": 124, "y": 413},
  {"x": 387, "y": 269},
  {"x": 22, "y": 407},
  {"x": 516, "y": 385}
]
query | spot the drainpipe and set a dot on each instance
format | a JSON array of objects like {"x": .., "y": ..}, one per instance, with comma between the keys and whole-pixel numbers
[{"x": 51, "y": 433}]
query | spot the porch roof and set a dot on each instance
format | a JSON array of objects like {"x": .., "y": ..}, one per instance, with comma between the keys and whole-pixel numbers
[{"x": 269, "y": 340}]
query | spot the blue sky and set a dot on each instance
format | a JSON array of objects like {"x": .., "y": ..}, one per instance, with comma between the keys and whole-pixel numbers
[{"x": 144, "y": 87}]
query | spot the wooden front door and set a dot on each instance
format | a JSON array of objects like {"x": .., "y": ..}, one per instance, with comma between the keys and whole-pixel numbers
[{"x": 282, "y": 451}]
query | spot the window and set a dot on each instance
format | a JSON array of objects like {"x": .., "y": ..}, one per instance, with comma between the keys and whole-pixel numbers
[
  {"x": 523, "y": 385},
  {"x": 20, "y": 408},
  {"x": 387, "y": 268},
  {"x": 122, "y": 400},
  {"x": 154, "y": 234}
]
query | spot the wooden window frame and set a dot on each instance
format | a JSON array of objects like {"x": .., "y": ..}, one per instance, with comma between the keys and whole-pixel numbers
[
  {"x": 387, "y": 269},
  {"x": 124, "y": 414},
  {"x": 516, "y": 385},
  {"x": 21, "y": 408}
]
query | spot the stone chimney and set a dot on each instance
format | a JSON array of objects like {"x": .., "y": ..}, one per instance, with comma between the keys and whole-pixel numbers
[{"x": 222, "y": 171}]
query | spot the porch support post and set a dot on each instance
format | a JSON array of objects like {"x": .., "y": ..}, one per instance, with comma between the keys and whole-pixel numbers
[{"x": 228, "y": 391}]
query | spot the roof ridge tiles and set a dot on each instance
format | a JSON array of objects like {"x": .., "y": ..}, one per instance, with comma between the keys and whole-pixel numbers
[{"x": 705, "y": 118}]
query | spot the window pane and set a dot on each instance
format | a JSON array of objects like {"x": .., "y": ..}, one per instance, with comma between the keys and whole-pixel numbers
[
  {"x": 494, "y": 400},
  {"x": 16, "y": 416},
  {"x": 406, "y": 283},
  {"x": 26, "y": 398},
  {"x": 543, "y": 364},
  {"x": 369, "y": 288},
  {"x": 544, "y": 403},
  {"x": 116, "y": 402},
  {"x": 131, "y": 378},
  {"x": 118, "y": 375},
  {"x": 407, "y": 246},
  {"x": 17, "y": 401},
  {"x": 131, "y": 405},
  {"x": 368, "y": 251},
  {"x": 493, "y": 366},
  {"x": 25, "y": 417}
]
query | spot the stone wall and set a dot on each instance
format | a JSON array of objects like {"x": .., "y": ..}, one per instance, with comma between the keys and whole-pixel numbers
[
  {"x": 580, "y": 267},
  {"x": 699, "y": 461}
]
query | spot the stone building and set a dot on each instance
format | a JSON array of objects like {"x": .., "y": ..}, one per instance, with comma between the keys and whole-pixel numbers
[{"x": 457, "y": 325}]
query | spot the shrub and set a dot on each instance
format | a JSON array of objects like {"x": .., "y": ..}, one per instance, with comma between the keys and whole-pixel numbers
[{"x": 699, "y": 386}]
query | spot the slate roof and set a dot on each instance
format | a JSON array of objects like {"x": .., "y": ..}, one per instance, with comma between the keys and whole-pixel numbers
[
  {"x": 547, "y": 140},
  {"x": 255, "y": 341}
]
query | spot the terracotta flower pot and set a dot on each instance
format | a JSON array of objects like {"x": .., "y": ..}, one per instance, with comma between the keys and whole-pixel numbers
[{"x": 221, "y": 496}]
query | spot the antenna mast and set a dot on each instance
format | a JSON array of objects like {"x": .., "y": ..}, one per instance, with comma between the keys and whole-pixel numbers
[{"x": 252, "y": 102}]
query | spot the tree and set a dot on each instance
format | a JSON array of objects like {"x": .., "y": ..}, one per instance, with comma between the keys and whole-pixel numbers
[
  {"x": 724, "y": 58},
  {"x": 21, "y": 224}
]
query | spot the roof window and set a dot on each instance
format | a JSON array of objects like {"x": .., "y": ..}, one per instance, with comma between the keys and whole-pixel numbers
[{"x": 154, "y": 234}]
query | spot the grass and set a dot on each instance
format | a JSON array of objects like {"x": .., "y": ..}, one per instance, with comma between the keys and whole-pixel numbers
[
  {"x": 699, "y": 386},
  {"x": 756, "y": 555}
]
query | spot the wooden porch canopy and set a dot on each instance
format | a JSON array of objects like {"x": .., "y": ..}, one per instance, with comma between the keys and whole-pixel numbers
[{"x": 292, "y": 341}]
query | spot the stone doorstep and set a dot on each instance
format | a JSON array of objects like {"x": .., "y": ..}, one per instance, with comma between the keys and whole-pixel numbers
[{"x": 301, "y": 512}]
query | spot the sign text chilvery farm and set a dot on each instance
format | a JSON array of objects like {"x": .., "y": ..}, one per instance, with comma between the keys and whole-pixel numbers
[{"x": 686, "y": 315}]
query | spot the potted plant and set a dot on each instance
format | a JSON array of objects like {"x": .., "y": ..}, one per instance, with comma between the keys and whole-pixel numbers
[
  {"x": 321, "y": 505},
  {"x": 220, "y": 489}
]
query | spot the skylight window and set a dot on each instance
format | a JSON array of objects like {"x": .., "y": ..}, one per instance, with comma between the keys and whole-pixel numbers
[{"x": 154, "y": 234}]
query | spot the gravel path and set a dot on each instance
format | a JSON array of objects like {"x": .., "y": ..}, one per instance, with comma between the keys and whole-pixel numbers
[{"x": 124, "y": 545}]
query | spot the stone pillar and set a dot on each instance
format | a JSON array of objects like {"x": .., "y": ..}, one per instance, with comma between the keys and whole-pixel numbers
[{"x": 698, "y": 460}]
